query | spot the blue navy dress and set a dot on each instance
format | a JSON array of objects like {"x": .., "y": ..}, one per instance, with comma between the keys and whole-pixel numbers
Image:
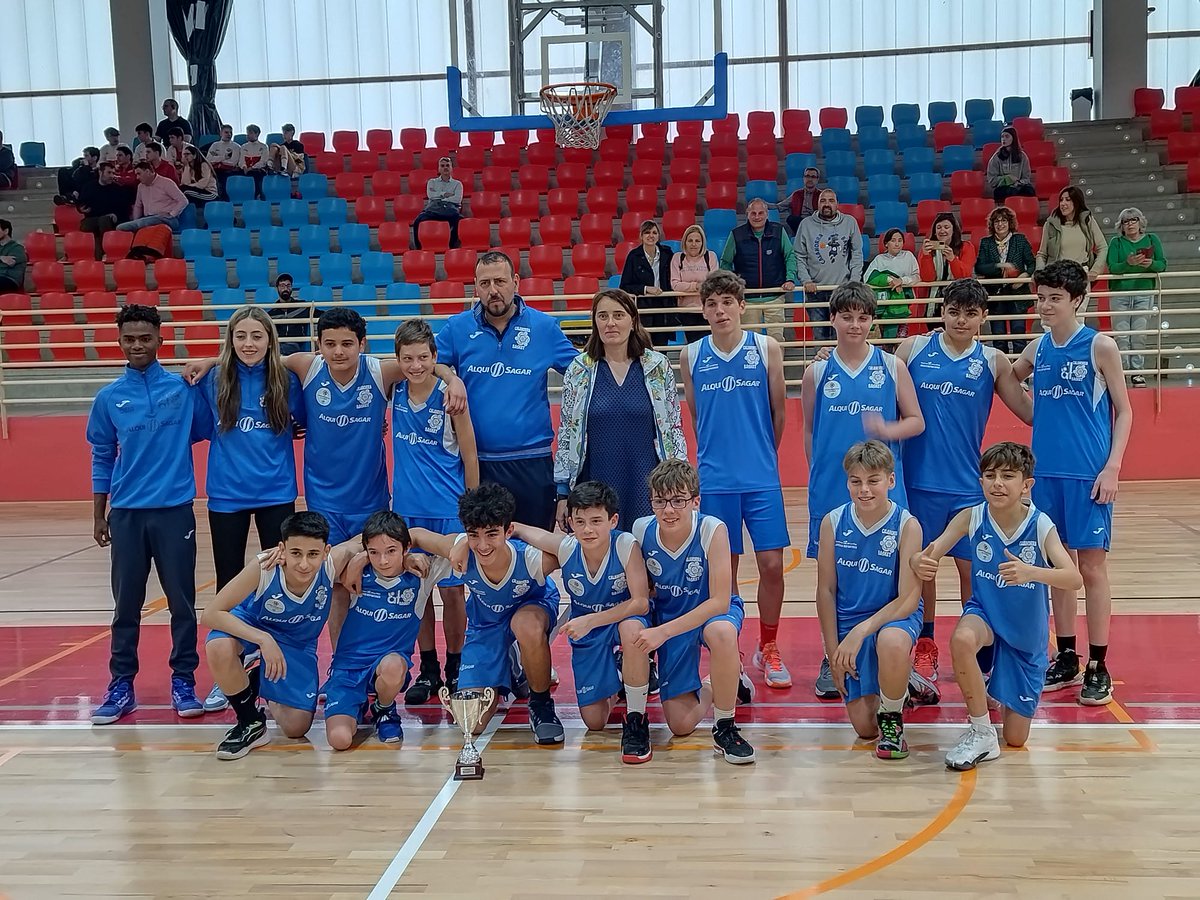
[{"x": 620, "y": 440}]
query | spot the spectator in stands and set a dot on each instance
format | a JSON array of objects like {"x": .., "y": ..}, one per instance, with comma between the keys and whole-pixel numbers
[
  {"x": 198, "y": 183},
  {"x": 689, "y": 268},
  {"x": 1008, "y": 173},
  {"x": 154, "y": 156},
  {"x": 124, "y": 173},
  {"x": 255, "y": 158},
  {"x": 802, "y": 203},
  {"x": 294, "y": 336},
  {"x": 173, "y": 120},
  {"x": 760, "y": 252},
  {"x": 1006, "y": 253},
  {"x": 112, "y": 140},
  {"x": 443, "y": 202},
  {"x": 8, "y": 166},
  {"x": 159, "y": 201},
  {"x": 12, "y": 261},
  {"x": 891, "y": 275},
  {"x": 1072, "y": 232},
  {"x": 288, "y": 158},
  {"x": 145, "y": 134},
  {"x": 73, "y": 178},
  {"x": 104, "y": 204},
  {"x": 225, "y": 156},
  {"x": 829, "y": 252},
  {"x": 647, "y": 275},
  {"x": 620, "y": 410},
  {"x": 1134, "y": 252},
  {"x": 945, "y": 256},
  {"x": 174, "y": 151}
]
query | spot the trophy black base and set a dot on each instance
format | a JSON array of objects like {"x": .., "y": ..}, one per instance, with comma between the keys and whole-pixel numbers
[{"x": 468, "y": 771}]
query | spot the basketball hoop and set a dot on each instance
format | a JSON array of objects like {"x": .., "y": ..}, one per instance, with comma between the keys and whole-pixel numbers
[{"x": 577, "y": 110}]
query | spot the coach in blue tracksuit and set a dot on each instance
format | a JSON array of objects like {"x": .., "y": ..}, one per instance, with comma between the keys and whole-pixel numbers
[
  {"x": 141, "y": 429},
  {"x": 502, "y": 349}
]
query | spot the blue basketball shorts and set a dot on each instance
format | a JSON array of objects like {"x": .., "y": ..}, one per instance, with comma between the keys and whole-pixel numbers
[
  {"x": 867, "y": 661},
  {"x": 485, "y": 652},
  {"x": 343, "y": 526},
  {"x": 1083, "y": 524},
  {"x": 438, "y": 526},
  {"x": 679, "y": 657},
  {"x": 298, "y": 687},
  {"x": 1017, "y": 675},
  {"x": 595, "y": 665},
  {"x": 347, "y": 688},
  {"x": 933, "y": 510},
  {"x": 761, "y": 511}
]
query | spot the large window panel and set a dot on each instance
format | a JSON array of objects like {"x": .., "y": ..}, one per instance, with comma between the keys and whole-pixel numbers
[{"x": 64, "y": 124}]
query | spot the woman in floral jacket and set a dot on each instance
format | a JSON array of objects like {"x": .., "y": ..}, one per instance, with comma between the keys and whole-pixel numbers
[{"x": 620, "y": 410}]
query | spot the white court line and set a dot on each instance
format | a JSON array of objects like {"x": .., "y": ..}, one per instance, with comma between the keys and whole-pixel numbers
[{"x": 409, "y": 849}]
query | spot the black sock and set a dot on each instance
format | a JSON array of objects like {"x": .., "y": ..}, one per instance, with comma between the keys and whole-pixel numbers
[
  {"x": 927, "y": 629},
  {"x": 245, "y": 705},
  {"x": 255, "y": 678},
  {"x": 429, "y": 661},
  {"x": 453, "y": 664},
  {"x": 1096, "y": 654},
  {"x": 1066, "y": 643},
  {"x": 540, "y": 698}
]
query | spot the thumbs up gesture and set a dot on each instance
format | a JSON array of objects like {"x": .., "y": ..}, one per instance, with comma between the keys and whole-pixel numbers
[
  {"x": 925, "y": 564},
  {"x": 1014, "y": 571}
]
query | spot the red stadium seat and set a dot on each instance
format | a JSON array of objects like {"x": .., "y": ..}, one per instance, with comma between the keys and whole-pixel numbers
[
  {"x": 563, "y": 202},
  {"x": 1164, "y": 123},
  {"x": 116, "y": 244},
  {"x": 572, "y": 175},
  {"x": 515, "y": 231},
  {"x": 525, "y": 202},
  {"x": 760, "y": 120},
  {"x": 538, "y": 293},
  {"x": 1183, "y": 146},
  {"x": 987, "y": 153},
  {"x": 24, "y": 345},
  {"x": 615, "y": 150},
  {"x": 687, "y": 146},
  {"x": 364, "y": 162},
  {"x": 596, "y": 228},
  {"x": 721, "y": 195},
  {"x": 690, "y": 128},
  {"x": 762, "y": 168},
  {"x": 966, "y": 184},
  {"x": 1147, "y": 100},
  {"x": 506, "y": 156},
  {"x": 178, "y": 299},
  {"x": 386, "y": 184},
  {"x": 534, "y": 178},
  {"x": 682, "y": 196},
  {"x": 647, "y": 172},
  {"x": 449, "y": 290},
  {"x": 856, "y": 212},
  {"x": 1049, "y": 182},
  {"x": 731, "y": 124},
  {"x": 582, "y": 156},
  {"x": 624, "y": 132},
  {"x": 515, "y": 138},
  {"x": 1026, "y": 209},
  {"x": 648, "y": 148},
  {"x": 684, "y": 171},
  {"x": 622, "y": 252},
  {"x": 640, "y": 196},
  {"x": 1028, "y": 129},
  {"x": 947, "y": 133},
  {"x": 910, "y": 242},
  {"x": 313, "y": 141},
  {"x": 762, "y": 145},
  {"x": 76, "y": 244},
  {"x": 589, "y": 260},
  {"x": 485, "y": 204},
  {"x": 496, "y": 178},
  {"x": 106, "y": 343},
  {"x": 724, "y": 146},
  {"x": 60, "y": 338},
  {"x": 631, "y": 226},
  {"x": 475, "y": 234},
  {"x": 723, "y": 169},
  {"x": 42, "y": 246},
  {"x": 1193, "y": 176},
  {"x": 1034, "y": 234},
  {"x": 927, "y": 211},
  {"x": 656, "y": 130},
  {"x": 48, "y": 276},
  {"x": 585, "y": 286},
  {"x": 57, "y": 307},
  {"x": 446, "y": 140},
  {"x": 394, "y": 237},
  {"x": 973, "y": 213},
  {"x": 418, "y": 179},
  {"x": 413, "y": 139},
  {"x": 555, "y": 229},
  {"x": 67, "y": 218},
  {"x": 797, "y": 141},
  {"x": 170, "y": 274},
  {"x": 546, "y": 261},
  {"x": 401, "y": 161},
  {"x": 1187, "y": 100},
  {"x": 469, "y": 160},
  {"x": 350, "y": 185},
  {"x": 609, "y": 173},
  {"x": 459, "y": 264},
  {"x": 345, "y": 141},
  {"x": 675, "y": 221},
  {"x": 1040, "y": 153},
  {"x": 797, "y": 120},
  {"x": 406, "y": 207},
  {"x": 330, "y": 164},
  {"x": 542, "y": 153},
  {"x": 143, "y": 298},
  {"x": 370, "y": 211},
  {"x": 89, "y": 275},
  {"x": 434, "y": 235},
  {"x": 833, "y": 117},
  {"x": 99, "y": 306},
  {"x": 602, "y": 200},
  {"x": 419, "y": 266},
  {"x": 17, "y": 308},
  {"x": 514, "y": 254}
]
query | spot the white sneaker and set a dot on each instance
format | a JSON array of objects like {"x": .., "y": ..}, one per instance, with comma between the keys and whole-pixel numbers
[
  {"x": 974, "y": 746},
  {"x": 215, "y": 701}
]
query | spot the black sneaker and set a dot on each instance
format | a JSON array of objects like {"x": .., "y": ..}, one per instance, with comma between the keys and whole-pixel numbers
[
  {"x": 1097, "y": 686},
  {"x": 241, "y": 739},
  {"x": 425, "y": 687},
  {"x": 1064, "y": 672},
  {"x": 745, "y": 692},
  {"x": 652, "y": 685},
  {"x": 729, "y": 743},
  {"x": 544, "y": 723},
  {"x": 891, "y": 743},
  {"x": 451, "y": 678},
  {"x": 635, "y": 740}
]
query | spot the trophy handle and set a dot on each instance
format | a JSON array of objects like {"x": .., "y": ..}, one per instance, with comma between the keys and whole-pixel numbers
[
  {"x": 489, "y": 697},
  {"x": 444, "y": 697}
]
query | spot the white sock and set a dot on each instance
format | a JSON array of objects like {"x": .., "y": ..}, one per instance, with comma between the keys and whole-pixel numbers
[
  {"x": 635, "y": 698},
  {"x": 719, "y": 714},
  {"x": 983, "y": 722},
  {"x": 888, "y": 705}
]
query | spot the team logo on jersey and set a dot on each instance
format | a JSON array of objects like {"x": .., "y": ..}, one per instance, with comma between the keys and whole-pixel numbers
[
  {"x": 887, "y": 546},
  {"x": 654, "y": 567},
  {"x": 1028, "y": 552},
  {"x": 575, "y": 586},
  {"x": 520, "y": 588},
  {"x": 619, "y": 583},
  {"x": 875, "y": 377},
  {"x": 262, "y": 401},
  {"x": 984, "y": 551},
  {"x": 521, "y": 338},
  {"x": 975, "y": 368},
  {"x": 321, "y": 598},
  {"x": 121, "y": 404},
  {"x": 436, "y": 419},
  {"x": 752, "y": 358},
  {"x": 324, "y": 396},
  {"x": 1074, "y": 370},
  {"x": 274, "y": 604},
  {"x": 706, "y": 365},
  {"x": 364, "y": 397},
  {"x": 832, "y": 389},
  {"x": 694, "y": 568}
]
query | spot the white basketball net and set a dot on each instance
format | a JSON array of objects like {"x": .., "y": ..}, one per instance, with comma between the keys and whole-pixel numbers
[{"x": 577, "y": 111}]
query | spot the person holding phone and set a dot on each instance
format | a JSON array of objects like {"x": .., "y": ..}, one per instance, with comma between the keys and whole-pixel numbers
[
  {"x": 945, "y": 256},
  {"x": 1133, "y": 252}
]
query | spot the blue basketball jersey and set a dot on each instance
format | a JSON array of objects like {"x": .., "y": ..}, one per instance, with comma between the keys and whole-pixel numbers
[
  {"x": 600, "y": 590},
  {"x": 1018, "y": 613},
  {"x": 427, "y": 467},
  {"x": 491, "y": 603},
  {"x": 955, "y": 394},
  {"x": 386, "y": 617},
  {"x": 290, "y": 619},
  {"x": 841, "y": 398},
  {"x": 1072, "y": 411},
  {"x": 868, "y": 563},
  {"x": 679, "y": 578},
  {"x": 345, "y": 469},
  {"x": 735, "y": 437}
]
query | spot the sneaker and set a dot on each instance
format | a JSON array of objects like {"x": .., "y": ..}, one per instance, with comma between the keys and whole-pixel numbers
[
  {"x": 520, "y": 684},
  {"x": 241, "y": 739},
  {"x": 1138, "y": 380},
  {"x": 729, "y": 743},
  {"x": 553, "y": 677},
  {"x": 922, "y": 692},
  {"x": 891, "y": 743},
  {"x": 118, "y": 702},
  {"x": 216, "y": 700},
  {"x": 451, "y": 678},
  {"x": 544, "y": 724},
  {"x": 745, "y": 689},
  {"x": 635, "y": 740},
  {"x": 1064, "y": 672},
  {"x": 974, "y": 746},
  {"x": 1097, "y": 686},
  {"x": 775, "y": 673},
  {"x": 824, "y": 687},
  {"x": 425, "y": 687},
  {"x": 925, "y": 658},
  {"x": 387, "y": 724},
  {"x": 652, "y": 684},
  {"x": 183, "y": 699}
]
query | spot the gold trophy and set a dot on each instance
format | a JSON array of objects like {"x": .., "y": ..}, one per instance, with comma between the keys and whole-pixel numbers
[{"x": 467, "y": 708}]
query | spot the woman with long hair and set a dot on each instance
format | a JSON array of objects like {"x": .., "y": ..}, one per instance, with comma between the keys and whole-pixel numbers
[
  {"x": 647, "y": 274},
  {"x": 1072, "y": 232},
  {"x": 620, "y": 409},
  {"x": 945, "y": 256},
  {"x": 197, "y": 179},
  {"x": 689, "y": 268},
  {"x": 1008, "y": 173},
  {"x": 249, "y": 402},
  {"x": 1006, "y": 253}
]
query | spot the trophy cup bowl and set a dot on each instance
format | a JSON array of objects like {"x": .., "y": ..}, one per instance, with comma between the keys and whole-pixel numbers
[{"x": 467, "y": 708}]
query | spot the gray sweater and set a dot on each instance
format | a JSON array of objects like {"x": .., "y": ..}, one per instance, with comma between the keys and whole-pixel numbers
[
  {"x": 829, "y": 252},
  {"x": 1017, "y": 172}
]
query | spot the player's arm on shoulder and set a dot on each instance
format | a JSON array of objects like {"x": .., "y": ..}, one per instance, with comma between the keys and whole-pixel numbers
[
  {"x": 1065, "y": 572},
  {"x": 299, "y": 363},
  {"x": 1010, "y": 392},
  {"x": 685, "y": 376},
  {"x": 468, "y": 450},
  {"x": 217, "y": 616},
  {"x": 1022, "y": 366},
  {"x": 549, "y": 562},
  {"x": 826, "y": 595},
  {"x": 776, "y": 389},
  {"x": 544, "y": 540},
  {"x": 341, "y": 554},
  {"x": 431, "y": 542},
  {"x": 904, "y": 351}
]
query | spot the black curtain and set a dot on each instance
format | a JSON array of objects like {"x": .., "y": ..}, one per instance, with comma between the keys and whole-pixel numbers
[{"x": 198, "y": 27}]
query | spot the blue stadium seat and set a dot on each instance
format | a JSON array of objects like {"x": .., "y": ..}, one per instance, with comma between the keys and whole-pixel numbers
[
  {"x": 256, "y": 214},
  {"x": 986, "y": 131},
  {"x": 33, "y": 153},
  {"x": 231, "y": 298},
  {"x": 890, "y": 215},
  {"x": 334, "y": 269},
  {"x": 205, "y": 140},
  {"x": 846, "y": 187},
  {"x": 977, "y": 111},
  {"x": 924, "y": 186},
  {"x": 240, "y": 139},
  {"x": 614, "y": 281},
  {"x": 239, "y": 188},
  {"x": 762, "y": 189},
  {"x": 354, "y": 238},
  {"x": 402, "y": 290},
  {"x": 717, "y": 225},
  {"x": 331, "y": 211},
  {"x": 793, "y": 185},
  {"x": 294, "y": 213},
  {"x": 835, "y": 139},
  {"x": 210, "y": 273},
  {"x": 319, "y": 293},
  {"x": 377, "y": 268},
  {"x": 253, "y": 272},
  {"x": 883, "y": 189},
  {"x": 873, "y": 137},
  {"x": 314, "y": 240},
  {"x": 841, "y": 164},
  {"x": 868, "y": 117},
  {"x": 1016, "y": 107},
  {"x": 314, "y": 186},
  {"x": 277, "y": 188},
  {"x": 957, "y": 157},
  {"x": 772, "y": 216},
  {"x": 879, "y": 162},
  {"x": 275, "y": 241},
  {"x": 218, "y": 214},
  {"x": 905, "y": 114},
  {"x": 195, "y": 242},
  {"x": 941, "y": 111},
  {"x": 364, "y": 299},
  {"x": 235, "y": 243},
  {"x": 296, "y": 265},
  {"x": 275, "y": 137},
  {"x": 794, "y": 164},
  {"x": 918, "y": 159},
  {"x": 911, "y": 136}
]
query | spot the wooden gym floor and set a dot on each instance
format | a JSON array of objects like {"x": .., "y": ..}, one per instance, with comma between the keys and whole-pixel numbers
[{"x": 1098, "y": 805}]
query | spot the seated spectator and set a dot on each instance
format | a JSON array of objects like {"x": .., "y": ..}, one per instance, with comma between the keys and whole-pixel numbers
[
  {"x": 8, "y": 166},
  {"x": 891, "y": 276},
  {"x": 198, "y": 183},
  {"x": 112, "y": 140},
  {"x": 802, "y": 203},
  {"x": 1008, "y": 172},
  {"x": 173, "y": 120},
  {"x": 1006, "y": 253},
  {"x": 689, "y": 268},
  {"x": 443, "y": 202},
  {"x": 159, "y": 201},
  {"x": 288, "y": 158},
  {"x": 154, "y": 156},
  {"x": 647, "y": 274},
  {"x": 145, "y": 134},
  {"x": 255, "y": 158},
  {"x": 225, "y": 156},
  {"x": 294, "y": 336},
  {"x": 124, "y": 172},
  {"x": 945, "y": 256},
  {"x": 72, "y": 178},
  {"x": 1133, "y": 252},
  {"x": 174, "y": 151},
  {"x": 12, "y": 261},
  {"x": 104, "y": 204}
]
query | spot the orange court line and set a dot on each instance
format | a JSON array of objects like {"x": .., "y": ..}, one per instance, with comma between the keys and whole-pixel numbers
[
  {"x": 797, "y": 558},
  {"x": 154, "y": 606},
  {"x": 950, "y": 812}
]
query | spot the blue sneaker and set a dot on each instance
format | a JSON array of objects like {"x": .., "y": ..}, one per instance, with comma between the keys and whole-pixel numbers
[
  {"x": 216, "y": 700},
  {"x": 387, "y": 724},
  {"x": 119, "y": 701},
  {"x": 183, "y": 699}
]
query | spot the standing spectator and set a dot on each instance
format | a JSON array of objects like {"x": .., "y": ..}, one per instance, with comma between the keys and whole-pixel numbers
[
  {"x": 759, "y": 251},
  {"x": 288, "y": 158},
  {"x": 112, "y": 140},
  {"x": 620, "y": 410},
  {"x": 104, "y": 204},
  {"x": 225, "y": 156},
  {"x": 689, "y": 268},
  {"x": 443, "y": 202},
  {"x": 12, "y": 261},
  {"x": 159, "y": 201},
  {"x": 803, "y": 202},
  {"x": 8, "y": 166},
  {"x": 891, "y": 275},
  {"x": 173, "y": 120},
  {"x": 198, "y": 183},
  {"x": 1134, "y": 252},
  {"x": 829, "y": 252},
  {"x": 72, "y": 179},
  {"x": 154, "y": 156},
  {"x": 255, "y": 158},
  {"x": 294, "y": 336},
  {"x": 945, "y": 256},
  {"x": 145, "y": 134},
  {"x": 1006, "y": 253},
  {"x": 1072, "y": 232},
  {"x": 174, "y": 152},
  {"x": 647, "y": 274},
  {"x": 1008, "y": 172}
]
